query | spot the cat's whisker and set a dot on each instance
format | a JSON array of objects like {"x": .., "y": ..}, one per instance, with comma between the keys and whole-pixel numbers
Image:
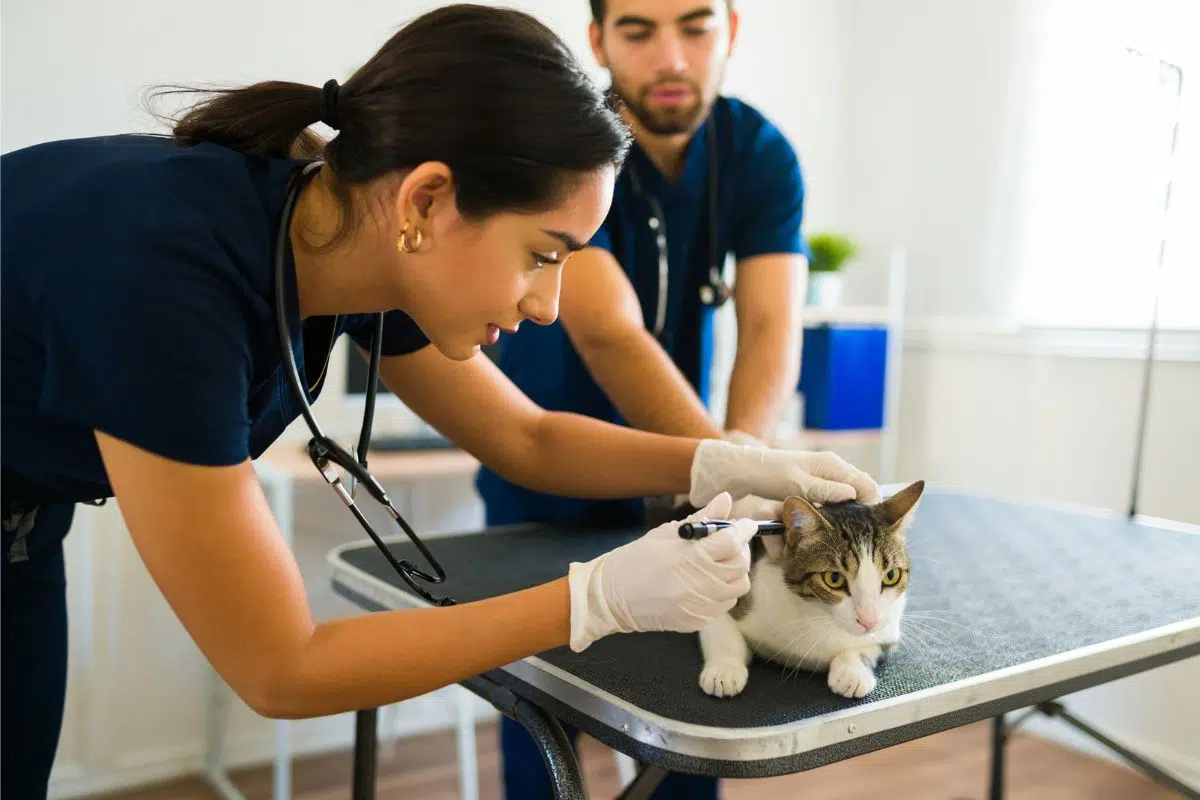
[
  {"x": 810, "y": 629},
  {"x": 923, "y": 640},
  {"x": 937, "y": 619},
  {"x": 945, "y": 646},
  {"x": 800, "y": 660},
  {"x": 930, "y": 621}
]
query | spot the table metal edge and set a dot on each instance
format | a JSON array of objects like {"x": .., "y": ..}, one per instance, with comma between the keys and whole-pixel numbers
[{"x": 865, "y": 719}]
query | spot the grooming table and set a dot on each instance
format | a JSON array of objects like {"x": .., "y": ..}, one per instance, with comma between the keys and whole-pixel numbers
[{"x": 1011, "y": 605}]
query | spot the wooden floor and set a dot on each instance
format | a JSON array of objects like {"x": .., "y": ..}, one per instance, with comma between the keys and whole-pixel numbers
[{"x": 947, "y": 766}]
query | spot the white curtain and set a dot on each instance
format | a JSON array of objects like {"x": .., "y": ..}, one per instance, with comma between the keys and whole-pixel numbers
[{"x": 1096, "y": 101}]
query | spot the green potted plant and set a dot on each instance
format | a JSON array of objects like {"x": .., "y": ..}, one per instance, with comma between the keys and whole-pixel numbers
[{"x": 830, "y": 252}]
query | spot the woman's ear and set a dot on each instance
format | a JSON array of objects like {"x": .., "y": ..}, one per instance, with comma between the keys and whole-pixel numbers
[{"x": 425, "y": 192}]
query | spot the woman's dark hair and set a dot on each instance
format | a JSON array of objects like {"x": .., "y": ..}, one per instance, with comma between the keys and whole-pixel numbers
[{"x": 491, "y": 92}]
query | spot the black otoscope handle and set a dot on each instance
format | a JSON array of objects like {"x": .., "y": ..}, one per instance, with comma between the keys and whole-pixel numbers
[{"x": 701, "y": 529}]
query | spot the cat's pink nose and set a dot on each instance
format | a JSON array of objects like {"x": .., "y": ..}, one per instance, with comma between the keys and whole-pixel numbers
[{"x": 867, "y": 623}]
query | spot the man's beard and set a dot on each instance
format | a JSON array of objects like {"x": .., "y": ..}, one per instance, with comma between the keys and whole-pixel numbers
[{"x": 663, "y": 121}]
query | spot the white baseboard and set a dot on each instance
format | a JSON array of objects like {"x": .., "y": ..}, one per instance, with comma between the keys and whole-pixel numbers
[
  {"x": 309, "y": 738},
  {"x": 1183, "y": 766}
]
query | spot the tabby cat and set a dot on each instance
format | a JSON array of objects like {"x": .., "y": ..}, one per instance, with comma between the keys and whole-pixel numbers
[{"x": 826, "y": 595}]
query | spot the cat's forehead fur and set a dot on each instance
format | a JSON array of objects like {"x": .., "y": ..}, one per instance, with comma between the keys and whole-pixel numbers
[
  {"x": 840, "y": 536},
  {"x": 850, "y": 532}
]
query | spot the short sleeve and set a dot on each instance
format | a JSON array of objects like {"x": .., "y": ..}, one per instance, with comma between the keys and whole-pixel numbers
[
  {"x": 150, "y": 344},
  {"x": 401, "y": 335},
  {"x": 771, "y": 204}
]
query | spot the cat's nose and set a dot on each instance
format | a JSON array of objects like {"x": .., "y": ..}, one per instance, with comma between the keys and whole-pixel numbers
[{"x": 867, "y": 623}]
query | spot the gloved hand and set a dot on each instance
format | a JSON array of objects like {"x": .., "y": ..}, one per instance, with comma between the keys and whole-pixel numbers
[
  {"x": 661, "y": 582},
  {"x": 754, "y": 507},
  {"x": 819, "y": 477}
]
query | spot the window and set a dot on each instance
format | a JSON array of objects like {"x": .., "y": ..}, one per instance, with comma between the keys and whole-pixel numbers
[{"x": 1098, "y": 104}]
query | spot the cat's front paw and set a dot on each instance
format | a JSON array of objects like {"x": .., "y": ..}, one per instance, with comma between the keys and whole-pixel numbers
[
  {"x": 724, "y": 678},
  {"x": 850, "y": 677}
]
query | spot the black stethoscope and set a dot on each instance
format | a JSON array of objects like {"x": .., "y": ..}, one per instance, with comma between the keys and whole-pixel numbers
[
  {"x": 325, "y": 452},
  {"x": 715, "y": 292}
]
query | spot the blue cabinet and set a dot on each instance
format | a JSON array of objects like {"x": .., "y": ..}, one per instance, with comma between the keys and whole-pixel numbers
[{"x": 843, "y": 376}]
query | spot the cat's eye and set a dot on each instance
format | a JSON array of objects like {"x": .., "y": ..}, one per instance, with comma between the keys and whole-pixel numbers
[
  {"x": 834, "y": 580},
  {"x": 892, "y": 576}
]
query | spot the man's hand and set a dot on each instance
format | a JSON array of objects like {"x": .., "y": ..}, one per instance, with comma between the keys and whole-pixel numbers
[{"x": 820, "y": 477}]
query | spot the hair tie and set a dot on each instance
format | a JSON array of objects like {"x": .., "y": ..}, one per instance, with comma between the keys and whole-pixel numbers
[{"x": 329, "y": 104}]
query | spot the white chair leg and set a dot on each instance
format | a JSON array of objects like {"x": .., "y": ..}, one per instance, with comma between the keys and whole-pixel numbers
[
  {"x": 283, "y": 759},
  {"x": 468, "y": 769},
  {"x": 389, "y": 721},
  {"x": 278, "y": 487},
  {"x": 626, "y": 768},
  {"x": 220, "y": 702}
]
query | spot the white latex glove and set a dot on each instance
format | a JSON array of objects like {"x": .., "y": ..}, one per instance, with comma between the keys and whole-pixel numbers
[
  {"x": 754, "y": 507},
  {"x": 819, "y": 477},
  {"x": 737, "y": 437},
  {"x": 661, "y": 582}
]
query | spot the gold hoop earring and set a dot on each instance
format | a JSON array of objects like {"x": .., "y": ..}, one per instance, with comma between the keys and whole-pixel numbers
[{"x": 402, "y": 242}]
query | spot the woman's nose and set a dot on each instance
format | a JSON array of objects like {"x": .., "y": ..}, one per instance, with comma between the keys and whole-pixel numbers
[{"x": 541, "y": 303}]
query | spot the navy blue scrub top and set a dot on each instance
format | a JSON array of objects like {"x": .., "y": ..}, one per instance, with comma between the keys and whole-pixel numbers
[
  {"x": 760, "y": 209},
  {"x": 138, "y": 299}
]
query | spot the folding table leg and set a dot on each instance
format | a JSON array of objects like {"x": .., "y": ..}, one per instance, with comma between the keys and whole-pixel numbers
[
  {"x": 545, "y": 730},
  {"x": 1149, "y": 769},
  {"x": 999, "y": 736},
  {"x": 366, "y": 743},
  {"x": 648, "y": 779},
  {"x": 556, "y": 749}
]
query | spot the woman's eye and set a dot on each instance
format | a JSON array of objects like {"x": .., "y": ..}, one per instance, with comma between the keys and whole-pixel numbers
[
  {"x": 834, "y": 580},
  {"x": 541, "y": 260},
  {"x": 892, "y": 577}
]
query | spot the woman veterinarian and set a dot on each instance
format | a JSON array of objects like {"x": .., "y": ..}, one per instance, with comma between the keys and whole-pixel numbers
[{"x": 143, "y": 361}]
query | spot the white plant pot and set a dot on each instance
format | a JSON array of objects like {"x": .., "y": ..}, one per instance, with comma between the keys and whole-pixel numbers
[{"x": 824, "y": 289}]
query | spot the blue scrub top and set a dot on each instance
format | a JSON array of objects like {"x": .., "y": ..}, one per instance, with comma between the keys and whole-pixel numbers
[
  {"x": 138, "y": 299},
  {"x": 760, "y": 209}
]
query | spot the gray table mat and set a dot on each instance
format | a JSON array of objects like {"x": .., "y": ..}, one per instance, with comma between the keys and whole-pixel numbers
[{"x": 994, "y": 585}]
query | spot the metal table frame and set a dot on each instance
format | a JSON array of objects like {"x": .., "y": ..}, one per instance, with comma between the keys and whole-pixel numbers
[{"x": 994, "y": 696}]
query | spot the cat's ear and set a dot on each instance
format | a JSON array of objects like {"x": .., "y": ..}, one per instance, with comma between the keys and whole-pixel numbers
[
  {"x": 898, "y": 510},
  {"x": 801, "y": 518}
]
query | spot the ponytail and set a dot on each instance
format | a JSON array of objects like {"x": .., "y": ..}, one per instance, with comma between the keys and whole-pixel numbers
[
  {"x": 491, "y": 92},
  {"x": 270, "y": 119}
]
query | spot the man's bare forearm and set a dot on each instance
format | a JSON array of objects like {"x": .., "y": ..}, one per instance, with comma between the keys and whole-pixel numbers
[
  {"x": 646, "y": 386},
  {"x": 766, "y": 370}
]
